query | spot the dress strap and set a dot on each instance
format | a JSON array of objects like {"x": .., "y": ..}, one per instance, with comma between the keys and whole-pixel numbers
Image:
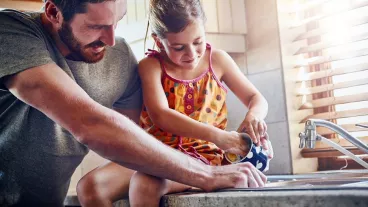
[
  {"x": 208, "y": 46},
  {"x": 157, "y": 55},
  {"x": 152, "y": 53}
]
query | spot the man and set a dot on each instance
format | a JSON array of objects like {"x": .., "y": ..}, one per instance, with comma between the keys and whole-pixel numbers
[{"x": 61, "y": 72}]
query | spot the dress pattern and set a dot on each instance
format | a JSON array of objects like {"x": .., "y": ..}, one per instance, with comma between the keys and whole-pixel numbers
[{"x": 202, "y": 99}]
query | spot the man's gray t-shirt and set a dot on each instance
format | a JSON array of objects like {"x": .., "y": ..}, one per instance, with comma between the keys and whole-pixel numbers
[{"x": 37, "y": 156}]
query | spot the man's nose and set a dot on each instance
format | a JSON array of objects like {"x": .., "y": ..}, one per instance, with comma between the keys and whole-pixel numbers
[{"x": 108, "y": 36}]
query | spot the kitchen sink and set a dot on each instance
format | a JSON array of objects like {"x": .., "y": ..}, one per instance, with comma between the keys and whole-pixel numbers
[{"x": 347, "y": 178}]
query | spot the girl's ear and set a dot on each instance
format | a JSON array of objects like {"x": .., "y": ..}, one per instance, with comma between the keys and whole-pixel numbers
[{"x": 157, "y": 41}]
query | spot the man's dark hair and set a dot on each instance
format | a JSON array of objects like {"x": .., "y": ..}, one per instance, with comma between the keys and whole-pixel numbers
[{"x": 71, "y": 7}]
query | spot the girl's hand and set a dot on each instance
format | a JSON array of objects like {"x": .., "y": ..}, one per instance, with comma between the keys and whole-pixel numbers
[
  {"x": 267, "y": 146},
  {"x": 255, "y": 127}
]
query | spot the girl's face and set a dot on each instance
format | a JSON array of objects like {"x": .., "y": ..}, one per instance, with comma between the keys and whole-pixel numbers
[{"x": 185, "y": 49}]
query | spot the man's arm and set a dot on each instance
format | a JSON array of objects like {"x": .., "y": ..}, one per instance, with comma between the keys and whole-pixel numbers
[
  {"x": 113, "y": 136},
  {"x": 132, "y": 114}
]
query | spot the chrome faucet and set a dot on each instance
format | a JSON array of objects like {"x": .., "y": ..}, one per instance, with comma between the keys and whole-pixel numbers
[{"x": 309, "y": 137}]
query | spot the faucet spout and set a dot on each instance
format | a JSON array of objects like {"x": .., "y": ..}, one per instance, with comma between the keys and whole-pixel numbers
[{"x": 309, "y": 137}]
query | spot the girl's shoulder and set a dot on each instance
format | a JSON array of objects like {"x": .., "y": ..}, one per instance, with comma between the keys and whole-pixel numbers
[
  {"x": 220, "y": 62},
  {"x": 219, "y": 57},
  {"x": 149, "y": 67},
  {"x": 149, "y": 62}
]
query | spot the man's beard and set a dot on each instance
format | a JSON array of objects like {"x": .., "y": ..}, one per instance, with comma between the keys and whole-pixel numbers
[{"x": 77, "y": 52}]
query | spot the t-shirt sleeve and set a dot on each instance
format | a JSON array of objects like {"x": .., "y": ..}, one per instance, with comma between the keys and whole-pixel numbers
[
  {"x": 22, "y": 44},
  {"x": 132, "y": 96}
]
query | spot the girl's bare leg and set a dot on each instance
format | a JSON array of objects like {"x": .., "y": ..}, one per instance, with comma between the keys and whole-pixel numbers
[
  {"x": 104, "y": 185},
  {"x": 147, "y": 190}
]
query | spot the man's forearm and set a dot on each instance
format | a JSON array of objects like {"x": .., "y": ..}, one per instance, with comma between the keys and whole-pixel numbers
[
  {"x": 132, "y": 114},
  {"x": 118, "y": 139}
]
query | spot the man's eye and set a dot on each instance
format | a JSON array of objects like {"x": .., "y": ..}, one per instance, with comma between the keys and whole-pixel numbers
[
  {"x": 197, "y": 43},
  {"x": 96, "y": 27}
]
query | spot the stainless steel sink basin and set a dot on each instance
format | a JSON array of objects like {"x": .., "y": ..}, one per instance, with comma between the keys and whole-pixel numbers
[
  {"x": 321, "y": 182},
  {"x": 328, "y": 181},
  {"x": 331, "y": 178}
]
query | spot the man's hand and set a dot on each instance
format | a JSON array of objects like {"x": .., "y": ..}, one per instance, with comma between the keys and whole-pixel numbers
[
  {"x": 241, "y": 175},
  {"x": 233, "y": 142}
]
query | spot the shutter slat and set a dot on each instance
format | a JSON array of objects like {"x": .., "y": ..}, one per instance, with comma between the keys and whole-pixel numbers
[
  {"x": 332, "y": 72},
  {"x": 334, "y": 57},
  {"x": 325, "y": 45},
  {"x": 337, "y": 114},
  {"x": 321, "y": 31},
  {"x": 330, "y": 87},
  {"x": 330, "y": 101},
  {"x": 304, "y": 6},
  {"x": 329, "y": 152},
  {"x": 353, "y": 6}
]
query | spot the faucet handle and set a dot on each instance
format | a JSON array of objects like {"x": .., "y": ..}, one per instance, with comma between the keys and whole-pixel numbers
[{"x": 302, "y": 137}]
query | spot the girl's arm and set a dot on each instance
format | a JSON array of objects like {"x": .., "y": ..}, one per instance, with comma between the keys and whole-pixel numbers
[
  {"x": 174, "y": 122},
  {"x": 246, "y": 92}
]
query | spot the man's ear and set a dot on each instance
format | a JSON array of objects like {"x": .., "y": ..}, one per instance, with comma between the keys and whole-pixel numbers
[{"x": 53, "y": 14}]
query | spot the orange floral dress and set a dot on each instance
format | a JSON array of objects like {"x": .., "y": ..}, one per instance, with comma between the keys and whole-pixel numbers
[{"x": 202, "y": 99}]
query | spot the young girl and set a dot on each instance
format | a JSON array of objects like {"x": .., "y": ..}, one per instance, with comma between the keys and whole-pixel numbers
[{"x": 184, "y": 103}]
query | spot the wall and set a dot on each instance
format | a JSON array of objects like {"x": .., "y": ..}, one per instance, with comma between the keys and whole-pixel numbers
[
  {"x": 26, "y": 5},
  {"x": 264, "y": 70}
]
